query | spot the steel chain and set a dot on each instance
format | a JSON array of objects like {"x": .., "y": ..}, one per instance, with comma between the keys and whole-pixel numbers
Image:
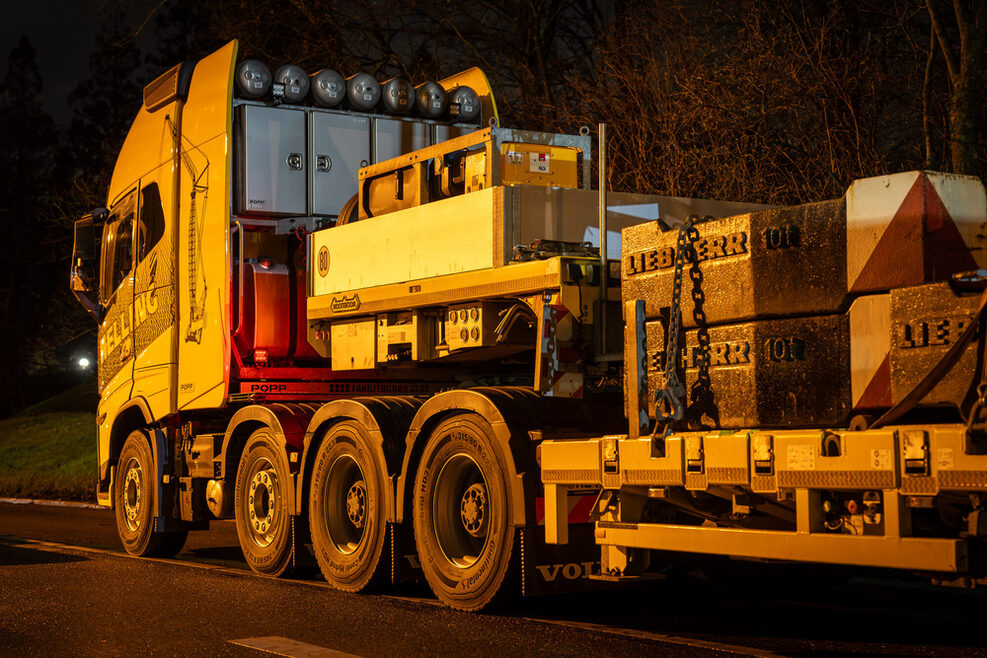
[{"x": 668, "y": 401}]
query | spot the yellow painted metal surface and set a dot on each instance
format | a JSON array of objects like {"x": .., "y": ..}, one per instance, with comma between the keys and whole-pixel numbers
[
  {"x": 788, "y": 465},
  {"x": 112, "y": 398},
  {"x": 148, "y": 145},
  {"x": 911, "y": 553},
  {"x": 354, "y": 344},
  {"x": 148, "y": 328},
  {"x": 468, "y": 232},
  {"x": 130, "y": 333},
  {"x": 154, "y": 306},
  {"x": 203, "y": 255},
  {"x": 472, "y": 139},
  {"x": 539, "y": 164},
  {"x": 453, "y": 235},
  {"x": 511, "y": 281}
]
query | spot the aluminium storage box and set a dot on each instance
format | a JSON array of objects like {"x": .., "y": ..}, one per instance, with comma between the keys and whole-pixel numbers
[{"x": 270, "y": 162}]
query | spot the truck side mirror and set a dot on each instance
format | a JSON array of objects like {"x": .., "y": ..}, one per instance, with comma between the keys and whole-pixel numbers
[{"x": 85, "y": 257}]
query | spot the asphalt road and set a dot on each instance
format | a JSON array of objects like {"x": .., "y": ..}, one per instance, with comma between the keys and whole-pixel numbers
[{"x": 66, "y": 589}]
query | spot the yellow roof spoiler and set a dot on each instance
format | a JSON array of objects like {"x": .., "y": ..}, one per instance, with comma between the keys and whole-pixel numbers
[{"x": 476, "y": 79}]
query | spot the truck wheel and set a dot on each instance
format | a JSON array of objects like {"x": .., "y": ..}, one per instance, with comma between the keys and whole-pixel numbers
[
  {"x": 261, "y": 499},
  {"x": 346, "y": 510},
  {"x": 133, "y": 495},
  {"x": 462, "y": 512}
]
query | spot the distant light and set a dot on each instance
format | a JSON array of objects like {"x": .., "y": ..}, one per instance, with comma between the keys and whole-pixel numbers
[{"x": 83, "y": 363}]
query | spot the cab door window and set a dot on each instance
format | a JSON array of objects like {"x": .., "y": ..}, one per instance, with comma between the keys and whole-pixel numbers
[
  {"x": 117, "y": 247},
  {"x": 151, "y": 223}
]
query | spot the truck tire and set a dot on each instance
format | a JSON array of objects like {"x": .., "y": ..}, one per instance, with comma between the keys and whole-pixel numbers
[
  {"x": 462, "y": 512},
  {"x": 265, "y": 529},
  {"x": 346, "y": 510},
  {"x": 133, "y": 495}
]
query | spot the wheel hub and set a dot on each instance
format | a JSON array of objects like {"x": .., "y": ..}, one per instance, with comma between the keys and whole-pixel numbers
[
  {"x": 346, "y": 514},
  {"x": 262, "y": 503},
  {"x": 132, "y": 495},
  {"x": 461, "y": 510},
  {"x": 356, "y": 503},
  {"x": 473, "y": 510}
]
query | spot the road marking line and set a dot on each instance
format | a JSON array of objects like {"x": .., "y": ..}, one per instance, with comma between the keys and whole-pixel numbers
[
  {"x": 587, "y": 626},
  {"x": 283, "y": 646},
  {"x": 50, "y": 503}
]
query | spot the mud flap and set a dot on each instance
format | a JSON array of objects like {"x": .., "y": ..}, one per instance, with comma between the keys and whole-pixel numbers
[
  {"x": 165, "y": 494},
  {"x": 302, "y": 556},
  {"x": 405, "y": 567},
  {"x": 559, "y": 568}
]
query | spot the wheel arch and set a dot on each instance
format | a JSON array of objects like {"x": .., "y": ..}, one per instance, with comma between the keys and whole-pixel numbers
[
  {"x": 135, "y": 414},
  {"x": 511, "y": 413},
  {"x": 287, "y": 422},
  {"x": 386, "y": 420}
]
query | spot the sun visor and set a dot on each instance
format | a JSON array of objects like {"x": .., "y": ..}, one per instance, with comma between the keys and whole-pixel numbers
[{"x": 170, "y": 86}]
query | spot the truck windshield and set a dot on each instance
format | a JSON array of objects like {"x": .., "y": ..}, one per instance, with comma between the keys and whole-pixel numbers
[{"x": 117, "y": 247}]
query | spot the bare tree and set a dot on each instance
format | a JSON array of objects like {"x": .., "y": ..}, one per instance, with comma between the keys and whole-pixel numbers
[
  {"x": 964, "y": 57},
  {"x": 779, "y": 102}
]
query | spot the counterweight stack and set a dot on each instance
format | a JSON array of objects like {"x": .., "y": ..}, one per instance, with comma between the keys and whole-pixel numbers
[{"x": 790, "y": 314}]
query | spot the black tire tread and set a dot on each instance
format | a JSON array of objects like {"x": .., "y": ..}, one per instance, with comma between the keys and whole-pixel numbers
[
  {"x": 284, "y": 563},
  {"x": 374, "y": 573},
  {"x": 504, "y": 586}
]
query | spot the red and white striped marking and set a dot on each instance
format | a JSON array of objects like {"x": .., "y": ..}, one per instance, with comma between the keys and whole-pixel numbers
[
  {"x": 913, "y": 227},
  {"x": 579, "y": 508},
  {"x": 870, "y": 347},
  {"x": 567, "y": 384}
]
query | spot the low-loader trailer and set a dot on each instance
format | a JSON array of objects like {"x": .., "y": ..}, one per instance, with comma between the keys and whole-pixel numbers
[{"x": 374, "y": 327}]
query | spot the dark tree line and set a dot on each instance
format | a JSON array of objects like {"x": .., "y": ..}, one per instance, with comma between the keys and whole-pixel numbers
[
  {"x": 30, "y": 248},
  {"x": 784, "y": 101}
]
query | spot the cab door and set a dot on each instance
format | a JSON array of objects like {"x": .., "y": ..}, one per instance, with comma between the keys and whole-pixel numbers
[
  {"x": 116, "y": 336},
  {"x": 154, "y": 292}
]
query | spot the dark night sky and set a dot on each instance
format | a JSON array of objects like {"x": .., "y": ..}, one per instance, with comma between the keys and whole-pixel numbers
[{"x": 64, "y": 34}]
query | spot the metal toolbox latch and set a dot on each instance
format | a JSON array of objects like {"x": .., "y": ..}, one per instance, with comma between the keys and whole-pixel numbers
[
  {"x": 915, "y": 449},
  {"x": 694, "y": 454},
  {"x": 762, "y": 454}
]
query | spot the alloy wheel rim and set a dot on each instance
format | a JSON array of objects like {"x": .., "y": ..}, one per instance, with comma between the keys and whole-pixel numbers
[
  {"x": 263, "y": 503},
  {"x": 133, "y": 495},
  {"x": 461, "y": 511},
  {"x": 346, "y": 502}
]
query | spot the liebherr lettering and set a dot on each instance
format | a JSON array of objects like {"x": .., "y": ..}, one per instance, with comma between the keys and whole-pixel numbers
[{"x": 708, "y": 248}]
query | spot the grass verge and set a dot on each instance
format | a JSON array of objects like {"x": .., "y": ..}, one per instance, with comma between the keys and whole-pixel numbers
[{"x": 46, "y": 452}]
